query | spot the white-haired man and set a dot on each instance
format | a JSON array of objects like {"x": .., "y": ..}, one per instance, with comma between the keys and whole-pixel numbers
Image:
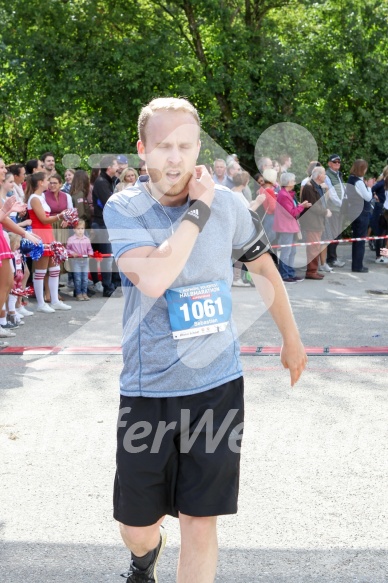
[
  {"x": 172, "y": 235},
  {"x": 313, "y": 221},
  {"x": 219, "y": 175}
]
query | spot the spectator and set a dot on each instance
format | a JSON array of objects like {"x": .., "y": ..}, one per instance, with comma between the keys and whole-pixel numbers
[
  {"x": 48, "y": 163},
  {"x": 19, "y": 174},
  {"x": 79, "y": 193},
  {"x": 58, "y": 201},
  {"x": 94, "y": 174},
  {"x": 334, "y": 181},
  {"x": 270, "y": 178},
  {"x": 356, "y": 189},
  {"x": 231, "y": 169},
  {"x": 69, "y": 175},
  {"x": 8, "y": 189},
  {"x": 258, "y": 178},
  {"x": 80, "y": 249},
  {"x": 313, "y": 221},
  {"x": 33, "y": 166},
  {"x": 232, "y": 158},
  {"x": 285, "y": 224},
  {"x": 240, "y": 181},
  {"x": 377, "y": 222},
  {"x": 122, "y": 164},
  {"x": 264, "y": 163},
  {"x": 276, "y": 167},
  {"x": 219, "y": 175},
  {"x": 313, "y": 164},
  {"x": 285, "y": 163},
  {"x": 385, "y": 212},
  {"x": 102, "y": 191},
  {"x": 128, "y": 178}
]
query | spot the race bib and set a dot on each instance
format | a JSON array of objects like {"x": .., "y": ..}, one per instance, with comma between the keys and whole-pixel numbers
[{"x": 197, "y": 310}]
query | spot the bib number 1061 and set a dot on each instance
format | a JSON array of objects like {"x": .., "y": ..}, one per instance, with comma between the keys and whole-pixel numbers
[{"x": 200, "y": 310}]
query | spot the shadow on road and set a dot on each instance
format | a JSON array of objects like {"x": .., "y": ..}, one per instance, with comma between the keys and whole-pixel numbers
[{"x": 62, "y": 563}]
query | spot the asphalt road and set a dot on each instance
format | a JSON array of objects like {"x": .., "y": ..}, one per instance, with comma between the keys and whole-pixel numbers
[{"x": 313, "y": 497}]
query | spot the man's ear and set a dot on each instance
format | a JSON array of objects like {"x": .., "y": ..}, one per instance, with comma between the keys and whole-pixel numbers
[{"x": 141, "y": 150}]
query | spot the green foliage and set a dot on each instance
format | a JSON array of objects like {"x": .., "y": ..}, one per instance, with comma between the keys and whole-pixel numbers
[{"x": 74, "y": 74}]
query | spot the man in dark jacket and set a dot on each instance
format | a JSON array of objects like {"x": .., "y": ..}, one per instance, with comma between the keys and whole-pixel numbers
[
  {"x": 334, "y": 181},
  {"x": 102, "y": 191},
  {"x": 313, "y": 221}
]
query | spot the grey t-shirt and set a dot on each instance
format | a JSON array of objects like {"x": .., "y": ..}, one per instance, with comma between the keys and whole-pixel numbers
[{"x": 155, "y": 364}]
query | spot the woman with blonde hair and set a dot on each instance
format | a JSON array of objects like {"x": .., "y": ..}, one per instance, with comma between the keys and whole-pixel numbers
[{"x": 128, "y": 178}]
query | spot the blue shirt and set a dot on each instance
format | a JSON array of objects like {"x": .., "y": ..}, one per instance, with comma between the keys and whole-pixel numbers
[{"x": 156, "y": 365}]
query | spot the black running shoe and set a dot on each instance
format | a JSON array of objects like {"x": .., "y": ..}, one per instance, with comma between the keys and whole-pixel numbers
[{"x": 149, "y": 575}]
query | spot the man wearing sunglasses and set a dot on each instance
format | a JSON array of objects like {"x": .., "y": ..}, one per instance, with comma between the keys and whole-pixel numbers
[{"x": 334, "y": 180}]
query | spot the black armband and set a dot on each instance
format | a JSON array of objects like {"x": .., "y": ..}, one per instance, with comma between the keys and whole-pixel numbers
[
  {"x": 257, "y": 246},
  {"x": 198, "y": 214}
]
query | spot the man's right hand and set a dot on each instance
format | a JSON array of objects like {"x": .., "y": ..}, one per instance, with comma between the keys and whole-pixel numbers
[{"x": 201, "y": 185}]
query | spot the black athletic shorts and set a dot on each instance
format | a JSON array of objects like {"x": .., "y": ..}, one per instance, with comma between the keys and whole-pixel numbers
[{"x": 179, "y": 454}]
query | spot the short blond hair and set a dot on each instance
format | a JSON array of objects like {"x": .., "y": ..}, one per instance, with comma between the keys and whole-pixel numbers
[
  {"x": 164, "y": 104},
  {"x": 125, "y": 172}
]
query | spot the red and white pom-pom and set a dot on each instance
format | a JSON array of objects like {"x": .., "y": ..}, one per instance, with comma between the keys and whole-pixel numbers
[
  {"x": 71, "y": 217},
  {"x": 18, "y": 291},
  {"x": 23, "y": 293},
  {"x": 59, "y": 252}
]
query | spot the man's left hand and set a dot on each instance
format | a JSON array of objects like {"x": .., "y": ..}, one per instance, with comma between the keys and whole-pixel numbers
[{"x": 293, "y": 356}]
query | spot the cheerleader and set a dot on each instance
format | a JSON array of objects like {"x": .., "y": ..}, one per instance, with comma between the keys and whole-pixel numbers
[
  {"x": 39, "y": 213},
  {"x": 13, "y": 316},
  {"x": 6, "y": 272}
]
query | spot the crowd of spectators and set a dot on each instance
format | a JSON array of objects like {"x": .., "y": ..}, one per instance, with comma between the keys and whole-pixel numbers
[{"x": 324, "y": 207}]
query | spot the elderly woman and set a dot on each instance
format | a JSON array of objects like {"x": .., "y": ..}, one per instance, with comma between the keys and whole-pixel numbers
[
  {"x": 128, "y": 178},
  {"x": 286, "y": 225},
  {"x": 313, "y": 222}
]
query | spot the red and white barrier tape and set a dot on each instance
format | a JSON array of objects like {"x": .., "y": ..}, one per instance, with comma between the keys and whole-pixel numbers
[{"x": 353, "y": 240}]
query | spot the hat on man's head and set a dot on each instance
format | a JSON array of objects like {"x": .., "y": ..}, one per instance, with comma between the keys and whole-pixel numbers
[
  {"x": 121, "y": 159},
  {"x": 270, "y": 175},
  {"x": 334, "y": 157}
]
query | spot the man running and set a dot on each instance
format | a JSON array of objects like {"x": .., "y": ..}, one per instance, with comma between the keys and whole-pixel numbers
[{"x": 181, "y": 408}]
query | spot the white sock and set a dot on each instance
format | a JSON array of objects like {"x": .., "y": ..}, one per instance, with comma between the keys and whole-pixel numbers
[
  {"x": 54, "y": 283},
  {"x": 3, "y": 321},
  {"x": 12, "y": 303},
  {"x": 39, "y": 286}
]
